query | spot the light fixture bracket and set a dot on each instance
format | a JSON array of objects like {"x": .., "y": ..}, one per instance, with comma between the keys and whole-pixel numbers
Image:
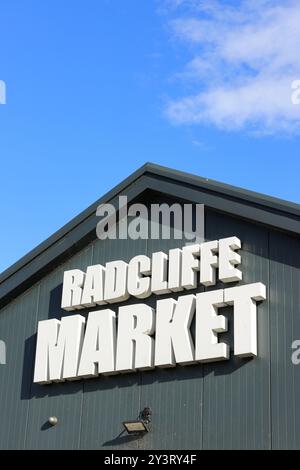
[{"x": 139, "y": 426}]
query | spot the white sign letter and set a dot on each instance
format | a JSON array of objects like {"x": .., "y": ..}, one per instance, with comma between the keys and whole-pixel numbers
[
  {"x": 228, "y": 259},
  {"x": 138, "y": 285},
  {"x": 94, "y": 286},
  {"x": 244, "y": 299},
  {"x": 208, "y": 325},
  {"x": 208, "y": 263},
  {"x": 190, "y": 266},
  {"x": 173, "y": 342},
  {"x": 72, "y": 289},
  {"x": 135, "y": 325},
  {"x": 116, "y": 282},
  {"x": 58, "y": 348},
  {"x": 98, "y": 351},
  {"x": 159, "y": 285}
]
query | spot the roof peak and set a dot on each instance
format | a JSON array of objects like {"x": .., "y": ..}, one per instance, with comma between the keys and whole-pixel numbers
[{"x": 257, "y": 208}]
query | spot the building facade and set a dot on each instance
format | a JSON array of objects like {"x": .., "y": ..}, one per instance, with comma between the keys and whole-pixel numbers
[{"x": 244, "y": 402}]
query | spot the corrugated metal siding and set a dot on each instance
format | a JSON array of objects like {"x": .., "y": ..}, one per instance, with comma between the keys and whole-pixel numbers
[
  {"x": 17, "y": 323},
  {"x": 63, "y": 400},
  {"x": 236, "y": 404},
  {"x": 285, "y": 328},
  {"x": 174, "y": 395},
  {"x": 236, "y": 393},
  {"x": 111, "y": 400}
]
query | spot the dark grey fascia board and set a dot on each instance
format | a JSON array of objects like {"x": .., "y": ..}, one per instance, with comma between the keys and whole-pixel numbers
[
  {"x": 233, "y": 206},
  {"x": 226, "y": 189},
  {"x": 81, "y": 230}
]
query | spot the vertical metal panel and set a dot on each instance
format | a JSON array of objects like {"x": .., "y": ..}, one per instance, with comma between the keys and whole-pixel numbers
[
  {"x": 63, "y": 400},
  {"x": 108, "y": 401},
  {"x": 174, "y": 395},
  {"x": 236, "y": 404},
  {"x": 175, "y": 398},
  {"x": 236, "y": 392},
  {"x": 285, "y": 328},
  {"x": 17, "y": 321}
]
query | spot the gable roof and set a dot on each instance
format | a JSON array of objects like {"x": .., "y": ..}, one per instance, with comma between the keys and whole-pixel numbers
[{"x": 78, "y": 232}]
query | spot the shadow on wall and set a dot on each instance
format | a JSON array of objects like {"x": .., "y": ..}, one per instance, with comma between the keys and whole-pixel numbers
[
  {"x": 46, "y": 426},
  {"x": 121, "y": 439},
  {"x": 179, "y": 373},
  {"x": 55, "y": 310},
  {"x": 192, "y": 372}
]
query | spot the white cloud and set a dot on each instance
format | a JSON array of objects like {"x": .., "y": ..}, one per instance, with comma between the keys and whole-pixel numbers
[{"x": 244, "y": 62}]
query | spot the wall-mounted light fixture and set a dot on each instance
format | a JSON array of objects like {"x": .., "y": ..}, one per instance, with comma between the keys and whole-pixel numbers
[
  {"x": 53, "y": 420},
  {"x": 139, "y": 426}
]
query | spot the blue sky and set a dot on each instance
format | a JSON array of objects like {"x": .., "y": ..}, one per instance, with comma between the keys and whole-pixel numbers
[{"x": 95, "y": 89}]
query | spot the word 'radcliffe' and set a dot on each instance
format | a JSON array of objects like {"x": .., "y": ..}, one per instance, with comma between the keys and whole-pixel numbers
[
  {"x": 140, "y": 337},
  {"x": 161, "y": 274}
]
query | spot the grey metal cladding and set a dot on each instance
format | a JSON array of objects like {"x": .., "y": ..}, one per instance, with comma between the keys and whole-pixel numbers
[
  {"x": 235, "y": 404},
  {"x": 81, "y": 230},
  {"x": 284, "y": 328},
  {"x": 237, "y": 393}
]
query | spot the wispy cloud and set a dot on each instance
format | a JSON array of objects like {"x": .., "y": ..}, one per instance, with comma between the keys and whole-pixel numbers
[
  {"x": 203, "y": 146},
  {"x": 244, "y": 60}
]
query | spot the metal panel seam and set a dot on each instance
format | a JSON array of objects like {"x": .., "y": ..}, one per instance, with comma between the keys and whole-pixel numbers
[{"x": 29, "y": 401}]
